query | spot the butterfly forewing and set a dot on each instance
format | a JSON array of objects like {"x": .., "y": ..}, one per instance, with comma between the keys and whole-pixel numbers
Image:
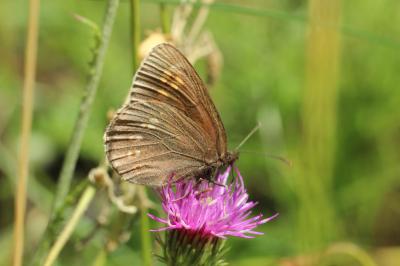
[
  {"x": 174, "y": 81},
  {"x": 168, "y": 126}
]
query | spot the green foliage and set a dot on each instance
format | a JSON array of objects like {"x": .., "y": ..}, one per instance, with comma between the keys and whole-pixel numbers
[{"x": 262, "y": 80}]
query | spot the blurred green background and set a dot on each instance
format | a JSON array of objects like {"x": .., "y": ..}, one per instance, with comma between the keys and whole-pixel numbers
[{"x": 329, "y": 105}]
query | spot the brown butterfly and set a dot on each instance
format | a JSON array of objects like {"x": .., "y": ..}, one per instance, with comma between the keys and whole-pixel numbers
[{"x": 168, "y": 126}]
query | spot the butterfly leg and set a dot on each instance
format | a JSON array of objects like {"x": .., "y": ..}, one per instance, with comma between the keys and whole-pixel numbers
[
  {"x": 209, "y": 174},
  {"x": 214, "y": 177},
  {"x": 233, "y": 175},
  {"x": 208, "y": 188}
]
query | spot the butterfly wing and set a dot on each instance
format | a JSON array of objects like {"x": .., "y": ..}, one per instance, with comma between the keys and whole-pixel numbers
[{"x": 168, "y": 125}]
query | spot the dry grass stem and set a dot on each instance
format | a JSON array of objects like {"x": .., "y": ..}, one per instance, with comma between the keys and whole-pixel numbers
[{"x": 27, "y": 113}]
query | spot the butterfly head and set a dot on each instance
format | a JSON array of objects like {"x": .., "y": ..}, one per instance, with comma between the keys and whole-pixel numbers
[{"x": 231, "y": 157}]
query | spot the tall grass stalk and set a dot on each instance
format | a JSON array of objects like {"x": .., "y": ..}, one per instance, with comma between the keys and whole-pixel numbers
[
  {"x": 101, "y": 258},
  {"x": 72, "y": 153},
  {"x": 144, "y": 224},
  {"x": 145, "y": 230},
  {"x": 135, "y": 31},
  {"x": 26, "y": 127},
  {"x": 317, "y": 224},
  {"x": 353, "y": 251},
  {"x": 165, "y": 19}
]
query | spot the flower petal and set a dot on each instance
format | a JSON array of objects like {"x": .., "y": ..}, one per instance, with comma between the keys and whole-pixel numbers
[{"x": 210, "y": 209}]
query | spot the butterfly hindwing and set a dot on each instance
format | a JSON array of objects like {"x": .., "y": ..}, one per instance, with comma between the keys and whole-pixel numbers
[{"x": 146, "y": 143}]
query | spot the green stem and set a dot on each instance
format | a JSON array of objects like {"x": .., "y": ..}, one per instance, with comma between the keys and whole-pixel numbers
[
  {"x": 101, "y": 258},
  {"x": 145, "y": 230},
  {"x": 72, "y": 153},
  {"x": 144, "y": 234},
  {"x": 319, "y": 127},
  {"x": 78, "y": 132},
  {"x": 135, "y": 31},
  {"x": 165, "y": 20},
  {"x": 144, "y": 224}
]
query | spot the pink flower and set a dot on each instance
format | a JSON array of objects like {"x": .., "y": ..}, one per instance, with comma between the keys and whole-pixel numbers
[{"x": 210, "y": 210}]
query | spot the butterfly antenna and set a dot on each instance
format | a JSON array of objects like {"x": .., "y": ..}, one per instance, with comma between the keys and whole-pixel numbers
[
  {"x": 248, "y": 136},
  {"x": 276, "y": 157}
]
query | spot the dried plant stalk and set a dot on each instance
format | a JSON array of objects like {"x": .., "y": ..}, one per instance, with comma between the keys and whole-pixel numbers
[{"x": 27, "y": 110}]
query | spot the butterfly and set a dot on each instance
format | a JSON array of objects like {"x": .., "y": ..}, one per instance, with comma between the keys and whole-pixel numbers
[{"x": 168, "y": 126}]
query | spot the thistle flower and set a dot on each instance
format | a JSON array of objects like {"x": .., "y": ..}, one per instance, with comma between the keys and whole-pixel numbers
[{"x": 201, "y": 215}]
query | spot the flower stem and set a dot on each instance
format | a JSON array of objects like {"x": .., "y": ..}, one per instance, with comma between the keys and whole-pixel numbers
[
  {"x": 78, "y": 131},
  {"x": 27, "y": 113},
  {"x": 81, "y": 207}
]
